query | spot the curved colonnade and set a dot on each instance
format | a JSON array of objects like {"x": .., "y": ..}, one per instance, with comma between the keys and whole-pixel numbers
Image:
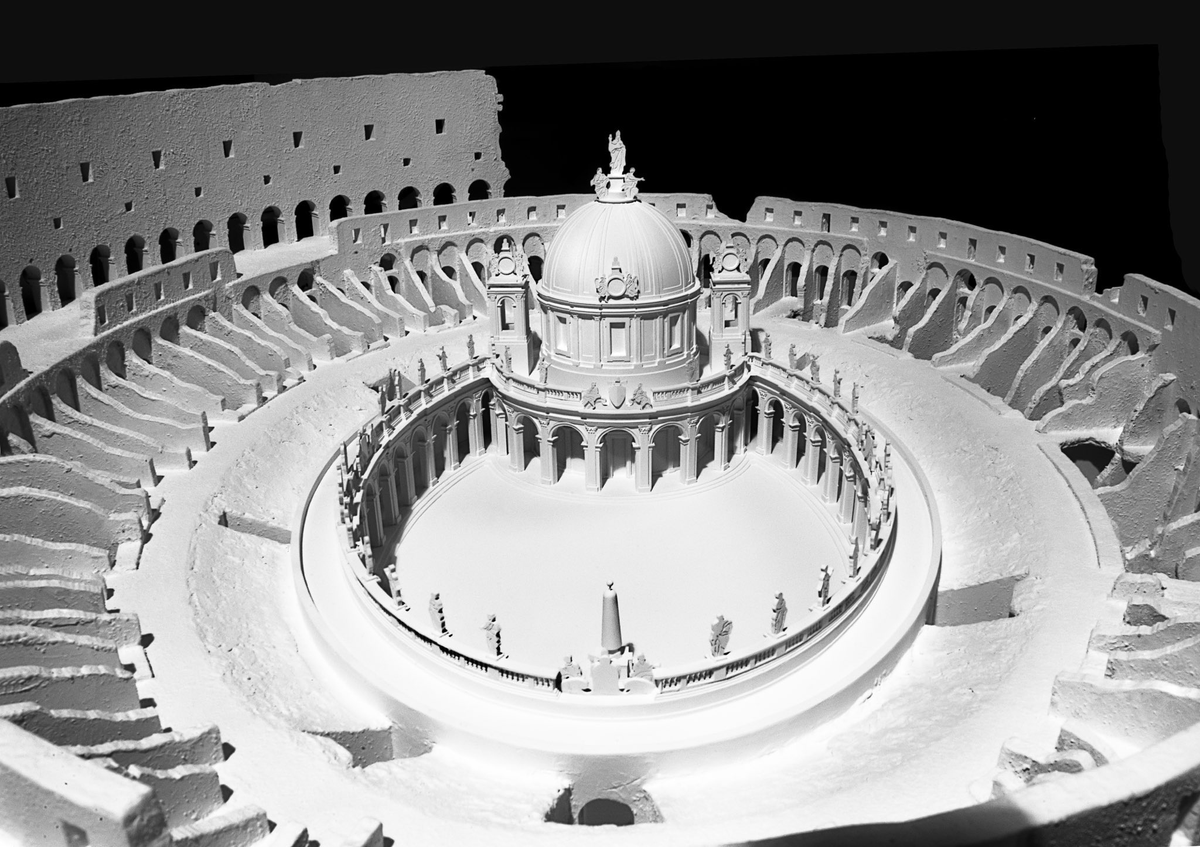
[{"x": 1111, "y": 371}]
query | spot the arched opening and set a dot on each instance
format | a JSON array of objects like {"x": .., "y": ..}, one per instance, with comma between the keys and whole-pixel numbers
[
  {"x": 479, "y": 190},
  {"x": 409, "y": 198},
  {"x": 387, "y": 261},
  {"x": 462, "y": 431},
  {"x": 706, "y": 270},
  {"x": 306, "y": 213},
  {"x": 932, "y": 295},
  {"x": 339, "y": 207},
  {"x": 822, "y": 276},
  {"x": 195, "y": 318},
  {"x": 1131, "y": 342},
  {"x": 750, "y": 421},
  {"x": 400, "y": 478},
  {"x": 664, "y": 453},
  {"x": 305, "y": 282},
  {"x": 31, "y": 290},
  {"x": 135, "y": 249},
  {"x": 535, "y": 267},
  {"x": 373, "y": 203},
  {"x": 64, "y": 278},
  {"x": 791, "y": 277},
  {"x": 964, "y": 279},
  {"x": 849, "y": 281},
  {"x": 775, "y": 446},
  {"x": 879, "y": 260},
  {"x": 420, "y": 463},
  {"x": 114, "y": 358},
  {"x": 99, "y": 260},
  {"x": 439, "y": 447},
  {"x": 278, "y": 284},
  {"x": 449, "y": 272},
  {"x": 91, "y": 371},
  {"x": 393, "y": 281},
  {"x": 66, "y": 389},
  {"x": 706, "y": 444},
  {"x": 480, "y": 271},
  {"x": 236, "y": 227},
  {"x": 1089, "y": 457},
  {"x": 616, "y": 455},
  {"x": 1183, "y": 407},
  {"x": 529, "y": 440},
  {"x": 485, "y": 411},
  {"x": 252, "y": 300},
  {"x": 822, "y": 457},
  {"x": 270, "y": 226},
  {"x": 507, "y": 316},
  {"x": 371, "y": 512},
  {"x": 168, "y": 245},
  {"x": 687, "y": 238},
  {"x": 42, "y": 404},
  {"x": 387, "y": 509},
  {"x": 443, "y": 194},
  {"x": 169, "y": 329},
  {"x": 762, "y": 267},
  {"x": 568, "y": 450},
  {"x": 202, "y": 236},
  {"x": 605, "y": 812}
]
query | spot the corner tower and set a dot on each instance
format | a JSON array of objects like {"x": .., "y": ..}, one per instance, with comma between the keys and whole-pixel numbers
[{"x": 618, "y": 295}]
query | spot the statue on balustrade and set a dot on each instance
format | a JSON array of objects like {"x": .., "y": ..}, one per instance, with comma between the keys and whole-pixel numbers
[
  {"x": 823, "y": 591},
  {"x": 420, "y": 371},
  {"x": 837, "y": 383},
  {"x": 766, "y": 350},
  {"x": 779, "y": 615},
  {"x": 438, "y": 614},
  {"x": 640, "y": 399},
  {"x": 543, "y": 369},
  {"x": 470, "y": 347},
  {"x": 592, "y": 399},
  {"x": 854, "y": 564},
  {"x": 640, "y": 668},
  {"x": 792, "y": 356},
  {"x": 718, "y": 642},
  {"x": 491, "y": 631},
  {"x": 599, "y": 182},
  {"x": 728, "y": 358},
  {"x": 631, "y": 181},
  {"x": 693, "y": 370},
  {"x": 443, "y": 359}
]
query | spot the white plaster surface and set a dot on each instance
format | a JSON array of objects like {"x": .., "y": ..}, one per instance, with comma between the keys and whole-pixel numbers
[{"x": 931, "y": 729}]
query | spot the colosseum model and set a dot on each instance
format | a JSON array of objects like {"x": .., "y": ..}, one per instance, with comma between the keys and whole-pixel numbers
[{"x": 343, "y": 499}]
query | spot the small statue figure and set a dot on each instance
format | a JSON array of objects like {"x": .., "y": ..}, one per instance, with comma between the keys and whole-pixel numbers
[
  {"x": 719, "y": 641},
  {"x": 837, "y": 383},
  {"x": 616, "y": 153},
  {"x": 493, "y": 265},
  {"x": 640, "y": 398},
  {"x": 508, "y": 359},
  {"x": 632, "y": 287},
  {"x": 438, "y": 614},
  {"x": 640, "y": 668},
  {"x": 779, "y": 615},
  {"x": 631, "y": 181},
  {"x": 592, "y": 399},
  {"x": 491, "y": 631},
  {"x": 854, "y": 398},
  {"x": 421, "y": 371},
  {"x": 570, "y": 669},
  {"x": 543, "y": 369},
  {"x": 766, "y": 350},
  {"x": 823, "y": 591},
  {"x": 383, "y": 401},
  {"x": 693, "y": 370},
  {"x": 815, "y": 367},
  {"x": 599, "y": 182},
  {"x": 792, "y": 357},
  {"x": 728, "y": 358},
  {"x": 470, "y": 347},
  {"x": 443, "y": 359},
  {"x": 854, "y": 558}
]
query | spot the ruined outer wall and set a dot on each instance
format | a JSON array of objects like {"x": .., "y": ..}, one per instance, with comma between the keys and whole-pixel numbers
[{"x": 42, "y": 147}]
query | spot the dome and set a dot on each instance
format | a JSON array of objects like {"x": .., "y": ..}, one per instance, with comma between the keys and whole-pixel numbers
[{"x": 637, "y": 237}]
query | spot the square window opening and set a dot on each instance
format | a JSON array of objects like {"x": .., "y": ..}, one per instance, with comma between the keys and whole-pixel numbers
[
  {"x": 442, "y": 222},
  {"x": 681, "y": 210},
  {"x": 912, "y": 233},
  {"x": 770, "y": 215},
  {"x": 560, "y": 211},
  {"x": 357, "y": 235},
  {"x": 101, "y": 315},
  {"x": 882, "y": 229},
  {"x": 158, "y": 291},
  {"x": 531, "y": 213},
  {"x": 266, "y": 179},
  {"x": 1143, "y": 304},
  {"x": 1170, "y": 319},
  {"x": 853, "y": 224},
  {"x": 129, "y": 306},
  {"x": 187, "y": 280},
  {"x": 942, "y": 240},
  {"x": 1058, "y": 270},
  {"x": 58, "y": 223},
  {"x": 478, "y": 155},
  {"x": 156, "y": 157},
  {"x": 439, "y": 126},
  {"x": 1000, "y": 253},
  {"x": 227, "y": 148},
  {"x": 618, "y": 340},
  {"x": 198, "y": 191},
  {"x": 412, "y": 227},
  {"x": 368, "y": 132},
  {"x": 825, "y": 222},
  {"x": 1029, "y": 263},
  {"x": 337, "y": 169},
  {"x": 10, "y": 185},
  {"x": 85, "y": 171},
  {"x": 297, "y": 140},
  {"x": 129, "y": 206},
  {"x": 214, "y": 271},
  {"x": 470, "y": 218},
  {"x": 406, "y": 162},
  {"x": 971, "y": 245}
]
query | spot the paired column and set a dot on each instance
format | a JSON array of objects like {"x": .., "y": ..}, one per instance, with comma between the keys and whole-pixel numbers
[
  {"x": 591, "y": 462},
  {"x": 450, "y": 433},
  {"x": 791, "y": 443},
  {"x": 475, "y": 433},
  {"x": 812, "y": 454},
  {"x": 641, "y": 459},
  {"x": 722, "y": 446},
  {"x": 766, "y": 419},
  {"x": 833, "y": 471},
  {"x": 688, "y": 458},
  {"x": 849, "y": 490},
  {"x": 406, "y": 469},
  {"x": 549, "y": 460},
  {"x": 500, "y": 426},
  {"x": 516, "y": 446},
  {"x": 739, "y": 427},
  {"x": 393, "y": 517},
  {"x": 430, "y": 465},
  {"x": 860, "y": 516}
]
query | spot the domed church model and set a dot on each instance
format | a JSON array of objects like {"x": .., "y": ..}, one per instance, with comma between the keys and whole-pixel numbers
[{"x": 343, "y": 500}]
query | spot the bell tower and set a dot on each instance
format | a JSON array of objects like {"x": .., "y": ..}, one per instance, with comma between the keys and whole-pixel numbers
[
  {"x": 730, "y": 300},
  {"x": 508, "y": 308}
]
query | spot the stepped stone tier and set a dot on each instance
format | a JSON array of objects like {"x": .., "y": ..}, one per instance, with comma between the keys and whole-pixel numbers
[{"x": 344, "y": 499}]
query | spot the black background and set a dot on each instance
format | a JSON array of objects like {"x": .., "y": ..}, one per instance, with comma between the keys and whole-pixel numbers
[{"x": 1064, "y": 144}]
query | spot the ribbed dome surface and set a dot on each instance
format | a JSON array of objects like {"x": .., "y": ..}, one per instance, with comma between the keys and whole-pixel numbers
[{"x": 641, "y": 238}]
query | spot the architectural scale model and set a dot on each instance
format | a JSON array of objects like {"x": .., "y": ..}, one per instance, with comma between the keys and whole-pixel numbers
[{"x": 343, "y": 499}]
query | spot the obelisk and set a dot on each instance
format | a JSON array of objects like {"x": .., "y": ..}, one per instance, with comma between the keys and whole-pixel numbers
[{"x": 610, "y": 623}]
